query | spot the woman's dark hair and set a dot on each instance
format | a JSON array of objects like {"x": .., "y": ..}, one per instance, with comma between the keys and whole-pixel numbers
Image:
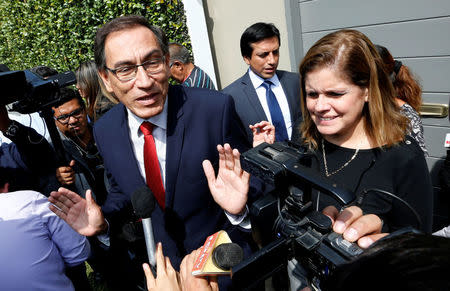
[
  {"x": 405, "y": 84},
  {"x": 88, "y": 84},
  {"x": 92, "y": 87},
  {"x": 255, "y": 33}
]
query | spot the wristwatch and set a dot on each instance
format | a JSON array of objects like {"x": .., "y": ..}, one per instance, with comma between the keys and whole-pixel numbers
[{"x": 12, "y": 129}]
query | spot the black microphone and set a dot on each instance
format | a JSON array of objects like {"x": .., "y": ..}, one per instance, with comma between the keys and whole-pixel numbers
[
  {"x": 143, "y": 203},
  {"x": 225, "y": 256},
  {"x": 217, "y": 256}
]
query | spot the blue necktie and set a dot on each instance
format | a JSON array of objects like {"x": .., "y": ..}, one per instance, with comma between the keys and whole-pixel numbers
[{"x": 275, "y": 113}]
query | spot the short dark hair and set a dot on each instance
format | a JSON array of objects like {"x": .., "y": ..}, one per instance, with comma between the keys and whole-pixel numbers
[
  {"x": 180, "y": 53},
  {"x": 255, "y": 33},
  {"x": 409, "y": 261},
  {"x": 67, "y": 94},
  {"x": 121, "y": 23}
]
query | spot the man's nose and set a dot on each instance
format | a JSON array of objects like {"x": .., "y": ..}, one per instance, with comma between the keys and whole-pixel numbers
[
  {"x": 271, "y": 58},
  {"x": 72, "y": 119},
  {"x": 143, "y": 79}
]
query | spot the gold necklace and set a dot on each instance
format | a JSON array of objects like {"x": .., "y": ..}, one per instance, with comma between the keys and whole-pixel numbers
[{"x": 343, "y": 166}]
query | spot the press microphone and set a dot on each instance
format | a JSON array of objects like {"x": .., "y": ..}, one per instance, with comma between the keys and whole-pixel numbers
[
  {"x": 227, "y": 255},
  {"x": 217, "y": 256},
  {"x": 143, "y": 203}
]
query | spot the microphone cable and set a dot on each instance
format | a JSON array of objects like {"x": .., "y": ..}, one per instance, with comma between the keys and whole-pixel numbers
[{"x": 378, "y": 191}]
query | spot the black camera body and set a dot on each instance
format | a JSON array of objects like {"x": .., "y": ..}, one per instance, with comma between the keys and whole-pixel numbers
[
  {"x": 284, "y": 222},
  {"x": 30, "y": 93}
]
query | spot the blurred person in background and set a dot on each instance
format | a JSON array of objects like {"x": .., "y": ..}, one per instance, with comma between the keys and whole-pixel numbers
[
  {"x": 91, "y": 88},
  {"x": 184, "y": 71},
  {"x": 409, "y": 94},
  {"x": 37, "y": 247}
]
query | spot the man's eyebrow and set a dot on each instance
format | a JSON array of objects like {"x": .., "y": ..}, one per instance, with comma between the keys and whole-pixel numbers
[{"x": 130, "y": 63}]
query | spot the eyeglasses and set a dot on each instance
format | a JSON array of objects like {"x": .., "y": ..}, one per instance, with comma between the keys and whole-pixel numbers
[
  {"x": 128, "y": 73},
  {"x": 64, "y": 119}
]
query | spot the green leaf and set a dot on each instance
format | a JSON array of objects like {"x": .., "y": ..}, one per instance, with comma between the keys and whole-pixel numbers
[{"x": 60, "y": 33}]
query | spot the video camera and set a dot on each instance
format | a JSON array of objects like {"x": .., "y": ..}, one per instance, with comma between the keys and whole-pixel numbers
[
  {"x": 29, "y": 92},
  {"x": 284, "y": 222}
]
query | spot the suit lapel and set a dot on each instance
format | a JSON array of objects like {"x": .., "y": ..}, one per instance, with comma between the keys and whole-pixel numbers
[
  {"x": 252, "y": 97},
  {"x": 175, "y": 138},
  {"x": 125, "y": 156}
]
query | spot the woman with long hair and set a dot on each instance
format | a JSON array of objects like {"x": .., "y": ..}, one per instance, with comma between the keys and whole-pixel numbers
[
  {"x": 408, "y": 93},
  {"x": 98, "y": 100},
  {"x": 357, "y": 135},
  {"x": 354, "y": 135}
]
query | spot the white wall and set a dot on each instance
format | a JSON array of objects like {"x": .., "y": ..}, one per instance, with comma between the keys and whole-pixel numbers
[{"x": 198, "y": 32}]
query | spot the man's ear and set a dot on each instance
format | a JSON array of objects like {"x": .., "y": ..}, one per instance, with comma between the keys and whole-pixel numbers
[
  {"x": 247, "y": 60},
  {"x": 106, "y": 80}
]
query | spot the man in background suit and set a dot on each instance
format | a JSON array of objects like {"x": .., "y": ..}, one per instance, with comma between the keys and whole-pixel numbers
[
  {"x": 132, "y": 57},
  {"x": 260, "y": 49}
]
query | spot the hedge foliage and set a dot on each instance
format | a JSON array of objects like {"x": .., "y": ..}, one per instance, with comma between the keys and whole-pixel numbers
[{"x": 60, "y": 33}]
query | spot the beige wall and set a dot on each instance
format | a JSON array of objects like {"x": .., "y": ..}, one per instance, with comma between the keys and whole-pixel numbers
[{"x": 227, "y": 20}]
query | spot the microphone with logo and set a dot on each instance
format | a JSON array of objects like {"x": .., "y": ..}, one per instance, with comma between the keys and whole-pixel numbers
[
  {"x": 143, "y": 203},
  {"x": 217, "y": 256}
]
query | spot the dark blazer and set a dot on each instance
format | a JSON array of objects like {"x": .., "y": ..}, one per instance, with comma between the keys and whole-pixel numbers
[
  {"x": 198, "y": 120},
  {"x": 28, "y": 161},
  {"x": 248, "y": 106}
]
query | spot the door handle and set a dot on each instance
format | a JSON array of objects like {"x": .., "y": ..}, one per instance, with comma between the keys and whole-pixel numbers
[{"x": 435, "y": 110}]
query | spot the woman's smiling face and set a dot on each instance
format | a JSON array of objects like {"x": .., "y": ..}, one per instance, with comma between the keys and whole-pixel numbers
[{"x": 335, "y": 105}]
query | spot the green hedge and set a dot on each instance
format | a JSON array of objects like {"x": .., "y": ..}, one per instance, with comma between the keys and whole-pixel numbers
[{"x": 60, "y": 33}]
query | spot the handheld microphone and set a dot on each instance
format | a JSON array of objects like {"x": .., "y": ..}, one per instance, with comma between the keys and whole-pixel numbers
[
  {"x": 227, "y": 255},
  {"x": 143, "y": 203},
  {"x": 217, "y": 256}
]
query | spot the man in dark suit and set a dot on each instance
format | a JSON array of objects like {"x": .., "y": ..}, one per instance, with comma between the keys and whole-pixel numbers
[
  {"x": 188, "y": 123},
  {"x": 263, "y": 91}
]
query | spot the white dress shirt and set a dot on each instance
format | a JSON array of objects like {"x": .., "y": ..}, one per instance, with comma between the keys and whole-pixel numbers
[
  {"x": 159, "y": 135},
  {"x": 137, "y": 141},
  {"x": 277, "y": 89}
]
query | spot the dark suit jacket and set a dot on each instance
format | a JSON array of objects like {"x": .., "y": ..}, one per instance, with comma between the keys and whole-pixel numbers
[
  {"x": 28, "y": 161},
  {"x": 198, "y": 120},
  {"x": 247, "y": 103}
]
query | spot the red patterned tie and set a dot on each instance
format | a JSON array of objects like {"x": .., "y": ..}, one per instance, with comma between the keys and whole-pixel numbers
[{"x": 152, "y": 172}]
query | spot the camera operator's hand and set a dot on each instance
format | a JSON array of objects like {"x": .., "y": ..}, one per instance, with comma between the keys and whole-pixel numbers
[
  {"x": 166, "y": 276},
  {"x": 230, "y": 188},
  {"x": 354, "y": 226},
  {"x": 263, "y": 131},
  {"x": 66, "y": 175},
  {"x": 4, "y": 118},
  {"x": 192, "y": 283}
]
